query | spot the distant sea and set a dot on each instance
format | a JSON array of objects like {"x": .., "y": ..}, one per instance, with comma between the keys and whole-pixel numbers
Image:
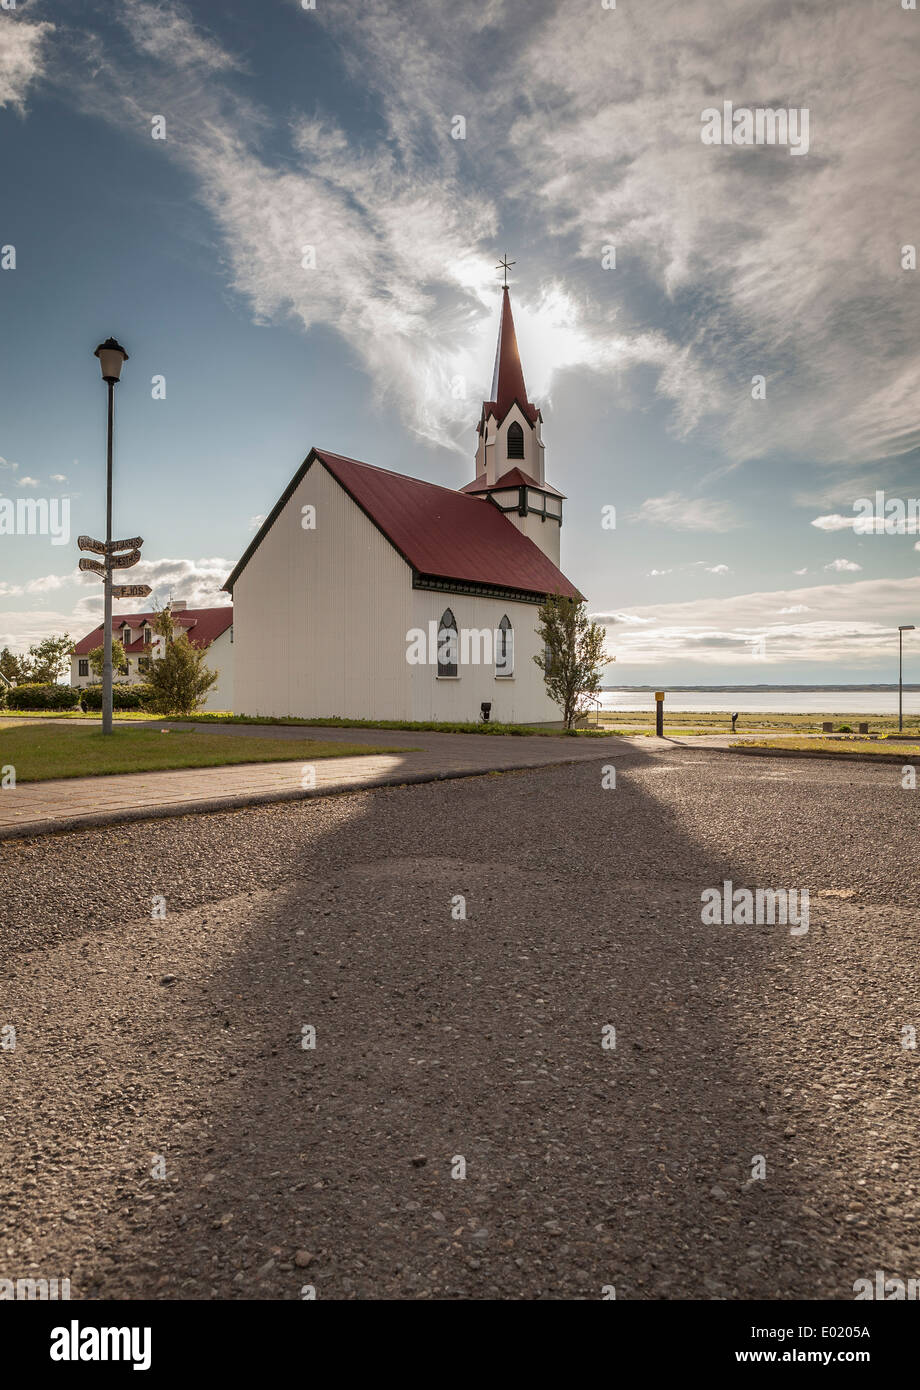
[{"x": 766, "y": 699}]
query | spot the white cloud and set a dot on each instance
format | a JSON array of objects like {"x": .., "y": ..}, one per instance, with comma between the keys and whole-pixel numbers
[
  {"x": 22, "y": 58},
  {"x": 874, "y": 525},
  {"x": 198, "y": 582},
  {"x": 660, "y": 572},
  {"x": 841, "y": 565},
  {"x": 687, "y": 514},
  {"x": 850, "y": 624},
  {"x": 59, "y": 477},
  {"x": 26, "y": 481},
  {"x": 165, "y": 32},
  {"x": 599, "y": 122},
  {"x": 717, "y": 569}
]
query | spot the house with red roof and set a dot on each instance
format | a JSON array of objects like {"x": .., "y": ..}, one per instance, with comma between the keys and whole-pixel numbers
[
  {"x": 370, "y": 594},
  {"x": 211, "y": 628}
]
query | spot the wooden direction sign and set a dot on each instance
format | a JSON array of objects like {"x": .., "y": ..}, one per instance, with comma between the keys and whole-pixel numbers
[
  {"x": 130, "y": 590},
  {"x": 134, "y": 543},
  {"x": 92, "y": 565},
  {"x": 87, "y": 543},
  {"x": 124, "y": 562}
]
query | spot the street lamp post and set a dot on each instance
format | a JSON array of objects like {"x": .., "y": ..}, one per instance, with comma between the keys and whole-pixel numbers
[
  {"x": 111, "y": 358},
  {"x": 906, "y": 627}
]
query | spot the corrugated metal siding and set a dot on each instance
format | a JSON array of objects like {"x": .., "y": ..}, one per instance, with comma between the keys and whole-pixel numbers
[{"x": 321, "y": 616}]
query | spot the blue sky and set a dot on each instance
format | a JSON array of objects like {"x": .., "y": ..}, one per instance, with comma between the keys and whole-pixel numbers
[{"x": 333, "y": 128}]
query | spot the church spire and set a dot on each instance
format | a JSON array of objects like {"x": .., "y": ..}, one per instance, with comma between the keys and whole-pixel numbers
[
  {"x": 508, "y": 375},
  {"x": 509, "y": 455}
]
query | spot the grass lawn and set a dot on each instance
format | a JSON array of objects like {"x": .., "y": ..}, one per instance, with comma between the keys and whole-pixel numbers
[
  {"x": 331, "y": 722},
  {"x": 865, "y": 747},
  {"x": 685, "y": 724},
  {"x": 41, "y": 751}
]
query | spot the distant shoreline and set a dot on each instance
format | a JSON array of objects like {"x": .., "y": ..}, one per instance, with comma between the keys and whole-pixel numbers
[{"x": 756, "y": 689}]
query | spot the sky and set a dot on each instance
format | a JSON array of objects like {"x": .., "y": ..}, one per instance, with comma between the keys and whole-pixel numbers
[{"x": 723, "y": 338}]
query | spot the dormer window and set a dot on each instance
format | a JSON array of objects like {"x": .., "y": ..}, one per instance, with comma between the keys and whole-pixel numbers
[
  {"x": 148, "y": 636},
  {"x": 126, "y": 634},
  {"x": 515, "y": 441}
]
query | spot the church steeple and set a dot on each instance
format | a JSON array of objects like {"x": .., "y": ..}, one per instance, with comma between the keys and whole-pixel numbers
[
  {"x": 508, "y": 376},
  {"x": 509, "y": 456}
]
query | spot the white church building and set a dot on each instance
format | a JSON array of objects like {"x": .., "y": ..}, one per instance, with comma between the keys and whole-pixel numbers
[{"x": 368, "y": 594}]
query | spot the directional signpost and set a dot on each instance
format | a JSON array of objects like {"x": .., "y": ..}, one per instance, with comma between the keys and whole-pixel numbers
[
  {"x": 87, "y": 543},
  {"x": 130, "y": 590},
  {"x": 124, "y": 562},
  {"x": 116, "y": 555}
]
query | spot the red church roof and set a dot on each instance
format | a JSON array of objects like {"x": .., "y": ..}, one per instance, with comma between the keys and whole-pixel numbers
[
  {"x": 508, "y": 376},
  {"x": 515, "y": 477},
  {"x": 202, "y": 626},
  {"x": 440, "y": 533}
]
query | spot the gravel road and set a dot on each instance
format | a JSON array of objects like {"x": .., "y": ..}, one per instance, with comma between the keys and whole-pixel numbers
[{"x": 164, "y": 1133}]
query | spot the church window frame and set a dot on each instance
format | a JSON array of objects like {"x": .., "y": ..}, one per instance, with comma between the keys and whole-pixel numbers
[
  {"x": 449, "y": 669},
  {"x": 514, "y": 441},
  {"x": 504, "y": 649}
]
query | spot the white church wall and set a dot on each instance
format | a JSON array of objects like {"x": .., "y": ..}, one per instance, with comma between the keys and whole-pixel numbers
[
  {"x": 545, "y": 534},
  {"x": 219, "y": 657},
  {"x": 320, "y": 616},
  {"x": 520, "y": 699}
]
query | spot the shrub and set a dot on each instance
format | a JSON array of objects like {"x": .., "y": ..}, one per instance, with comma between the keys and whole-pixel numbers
[
  {"x": 44, "y": 696},
  {"x": 845, "y": 729},
  {"x": 123, "y": 697}
]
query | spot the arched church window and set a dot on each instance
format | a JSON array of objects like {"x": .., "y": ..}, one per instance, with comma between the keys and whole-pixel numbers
[
  {"x": 448, "y": 643},
  {"x": 504, "y": 649},
  {"x": 515, "y": 441}
]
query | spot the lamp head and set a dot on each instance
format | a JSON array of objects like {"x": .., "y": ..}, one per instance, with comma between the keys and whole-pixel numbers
[{"x": 111, "y": 355}]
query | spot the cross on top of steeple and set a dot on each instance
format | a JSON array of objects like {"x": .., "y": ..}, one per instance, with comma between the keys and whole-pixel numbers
[{"x": 505, "y": 265}]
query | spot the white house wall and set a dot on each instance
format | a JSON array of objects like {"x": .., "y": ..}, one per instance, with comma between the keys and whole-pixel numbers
[
  {"x": 520, "y": 699},
  {"x": 219, "y": 657},
  {"x": 320, "y": 616}
]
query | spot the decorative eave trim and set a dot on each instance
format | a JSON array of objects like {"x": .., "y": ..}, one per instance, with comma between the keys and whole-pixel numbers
[{"x": 438, "y": 584}]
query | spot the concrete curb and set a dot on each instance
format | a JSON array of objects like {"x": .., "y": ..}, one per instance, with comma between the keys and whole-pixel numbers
[
  {"x": 841, "y": 757},
  {"x": 30, "y": 830}
]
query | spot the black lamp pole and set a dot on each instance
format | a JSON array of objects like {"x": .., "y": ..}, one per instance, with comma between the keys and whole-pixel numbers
[
  {"x": 907, "y": 627},
  {"x": 111, "y": 357}
]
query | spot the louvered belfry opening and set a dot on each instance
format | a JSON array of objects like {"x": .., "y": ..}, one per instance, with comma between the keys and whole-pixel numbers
[{"x": 515, "y": 441}]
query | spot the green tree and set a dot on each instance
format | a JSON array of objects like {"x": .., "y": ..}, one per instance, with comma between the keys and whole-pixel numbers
[
  {"x": 12, "y": 666},
  {"x": 572, "y": 660},
  {"x": 179, "y": 679},
  {"x": 119, "y": 660},
  {"x": 49, "y": 659}
]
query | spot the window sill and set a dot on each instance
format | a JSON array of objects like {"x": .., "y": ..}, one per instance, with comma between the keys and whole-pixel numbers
[
  {"x": 447, "y": 678},
  {"x": 504, "y": 678}
]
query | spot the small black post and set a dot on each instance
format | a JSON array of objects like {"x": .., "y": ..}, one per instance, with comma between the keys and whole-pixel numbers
[
  {"x": 659, "y": 713},
  {"x": 734, "y": 718}
]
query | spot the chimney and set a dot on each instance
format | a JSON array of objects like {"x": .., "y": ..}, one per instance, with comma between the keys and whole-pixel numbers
[{"x": 178, "y": 605}]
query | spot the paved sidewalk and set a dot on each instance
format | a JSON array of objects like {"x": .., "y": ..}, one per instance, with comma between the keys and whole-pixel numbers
[{"x": 36, "y": 808}]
